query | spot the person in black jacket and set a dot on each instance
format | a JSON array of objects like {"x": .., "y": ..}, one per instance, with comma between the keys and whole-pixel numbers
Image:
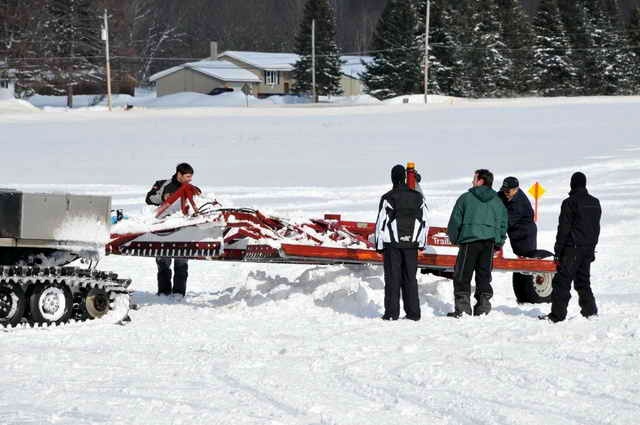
[
  {"x": 401, "y": 228},
  {"x": 159, "y": 193},
  {"x": 576, "y": 240},
  {"x": 522, "y": 232}
]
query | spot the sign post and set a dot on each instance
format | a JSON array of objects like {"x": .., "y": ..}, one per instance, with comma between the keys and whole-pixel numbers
[{"x": 536, "y": 190}]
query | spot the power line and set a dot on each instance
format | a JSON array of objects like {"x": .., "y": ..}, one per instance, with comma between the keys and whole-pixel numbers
[{"x": 196, "y": 61}]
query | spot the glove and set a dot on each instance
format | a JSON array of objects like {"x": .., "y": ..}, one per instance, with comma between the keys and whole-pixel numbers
[{"x": 497, "y": 248}]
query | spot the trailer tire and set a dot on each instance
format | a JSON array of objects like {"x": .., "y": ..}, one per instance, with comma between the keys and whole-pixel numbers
[{"x": 534, "y": 289}]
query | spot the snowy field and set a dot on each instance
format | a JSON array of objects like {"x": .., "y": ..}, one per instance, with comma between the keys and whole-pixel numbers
[{"x": 289, "y": 345}]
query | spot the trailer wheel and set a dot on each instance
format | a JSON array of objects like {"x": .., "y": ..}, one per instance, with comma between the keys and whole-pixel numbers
[
  {"x": 12, "y": 304},
  {"x": 50, "y": 303},
  {"x": 533, "y": 288},
  {"x": 542, "y": 286}
]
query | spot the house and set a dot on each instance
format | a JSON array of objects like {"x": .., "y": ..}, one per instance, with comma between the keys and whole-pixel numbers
[
  {"x": 275, "y": 70},
  {"x": 203, "y": 77},
  {"x": 267, "y": 73},
  {"x": 352, "y": 68}
]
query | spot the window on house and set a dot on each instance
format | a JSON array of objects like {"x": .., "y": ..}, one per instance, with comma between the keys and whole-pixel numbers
[
  {"x": 4, "y": 84},
  {"x": 272, "y": 78}
]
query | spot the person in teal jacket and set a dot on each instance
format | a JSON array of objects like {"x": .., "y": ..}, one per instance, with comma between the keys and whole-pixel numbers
[{"x": 478, "y": 225}]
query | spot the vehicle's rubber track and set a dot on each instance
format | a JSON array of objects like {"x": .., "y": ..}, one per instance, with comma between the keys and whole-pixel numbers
[{"x": 79, "y": 281}]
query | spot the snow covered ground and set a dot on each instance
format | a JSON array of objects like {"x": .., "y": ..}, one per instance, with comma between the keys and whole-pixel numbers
[{"x": 278, "y": 344}]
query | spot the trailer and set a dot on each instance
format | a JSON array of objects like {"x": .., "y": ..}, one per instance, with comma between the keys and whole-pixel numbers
[{"x": 218, "y": 234}]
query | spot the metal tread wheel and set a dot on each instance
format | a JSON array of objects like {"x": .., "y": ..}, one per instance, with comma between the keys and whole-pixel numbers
[
  {"x": 51, "y": 302},
  {"x": 12, "y": 303}
]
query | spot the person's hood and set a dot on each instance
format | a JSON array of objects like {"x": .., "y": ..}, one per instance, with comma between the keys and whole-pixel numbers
[{"x": 483, "y": 193}]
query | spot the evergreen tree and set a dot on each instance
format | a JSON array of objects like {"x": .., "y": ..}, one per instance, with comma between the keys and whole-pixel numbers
[
  {"x": 444, "y": 52},
  {"x": 519, "y": 37},
  {"x": 71, "y": 34},
  {"x": 618, "y": 54},
  {"x": 463, "y": 34},
  {"x": 328, "y": 62},
  {"x": 605, "y": 62},
  {"x": 397, "y": 68},
  {"x": 573, "y": 17},
  {"x": 553, "y": 72},
  {"x": 633, "y": 35},
  {"x": 486, "y": 66}
]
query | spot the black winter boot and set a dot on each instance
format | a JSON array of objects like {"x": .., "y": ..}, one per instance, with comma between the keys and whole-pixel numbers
[
  {"x": 483, "y": 306},
  {"x": 462, "y": 306}
]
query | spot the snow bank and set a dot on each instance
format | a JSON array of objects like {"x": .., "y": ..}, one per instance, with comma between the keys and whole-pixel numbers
[
  {"x": 79, "y": 101},
  {"x": 147, "y": 99},
  {"x": 12, "y": 106},
  {"x": 419, "y": 99},
  {"x": 5, "y": 94}
]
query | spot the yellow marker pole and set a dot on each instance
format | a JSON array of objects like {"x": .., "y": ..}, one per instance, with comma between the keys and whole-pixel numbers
[{"x": 536, "y": 190}]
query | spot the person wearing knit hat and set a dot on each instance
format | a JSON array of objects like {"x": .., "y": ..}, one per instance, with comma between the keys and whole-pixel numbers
[
  {"x": 401, "y": 229},
  {"x": 523, "y": 234},
  {"x": 576, "y": 240}
]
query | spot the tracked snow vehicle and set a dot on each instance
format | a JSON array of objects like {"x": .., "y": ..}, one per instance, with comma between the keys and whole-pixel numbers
[{"x": 40, "y": 234}]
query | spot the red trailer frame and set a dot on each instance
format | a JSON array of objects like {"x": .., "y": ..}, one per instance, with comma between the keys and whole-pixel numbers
[{"x": 246, "y": 229}]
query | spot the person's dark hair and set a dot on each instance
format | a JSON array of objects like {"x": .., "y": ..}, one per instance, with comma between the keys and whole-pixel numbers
[
  {"x": 485, "y": 175},
  {"x": 184, "y": 168}
]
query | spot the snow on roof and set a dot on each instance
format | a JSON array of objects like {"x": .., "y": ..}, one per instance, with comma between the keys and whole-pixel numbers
[
  {"x": 265, "y": 60},
  {"x": 285, "y": 61},
  {"x": 222, "y": 70},
  {"x": 227, "y": 71},
  {"x": 353, "y": 66}
]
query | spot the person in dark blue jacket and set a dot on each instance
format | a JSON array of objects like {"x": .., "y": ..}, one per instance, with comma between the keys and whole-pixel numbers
[
  {"x": 523, "y": 233},
  {"x": 575, "y": 250}
]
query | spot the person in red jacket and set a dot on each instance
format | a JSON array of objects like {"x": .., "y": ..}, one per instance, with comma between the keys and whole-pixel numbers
[{"x": 159, "y": 193}]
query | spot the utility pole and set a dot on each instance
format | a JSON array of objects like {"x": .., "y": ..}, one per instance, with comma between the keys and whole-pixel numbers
[
  {"x": 313, "y": 60},
  {"x": 105, "y": 37},
  {"x": 426, "y": 52}
]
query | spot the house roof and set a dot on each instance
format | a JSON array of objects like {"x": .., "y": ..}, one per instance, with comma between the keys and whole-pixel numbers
[
  {"x": 265, "y": 60},
  {"x": 230, "y": 72},
  {"x": 222, "y": 70},
  {"x": 353, "y": 65}
]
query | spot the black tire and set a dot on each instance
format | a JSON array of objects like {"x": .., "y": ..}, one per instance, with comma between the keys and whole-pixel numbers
[
  {"x": 13, "y": 303},
  {"x": 520, "y": 288},
  {"x": 532, "y": 289},
  {"x": 50, "y": 303}
]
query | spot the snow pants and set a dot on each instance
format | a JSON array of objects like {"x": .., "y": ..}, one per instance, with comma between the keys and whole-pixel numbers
[
  {"x": 181, "y": 269},
  {"x": 575, "y": 266},
  {"x": 473, "y": 257},
  {"x": 400, "y": 268}
]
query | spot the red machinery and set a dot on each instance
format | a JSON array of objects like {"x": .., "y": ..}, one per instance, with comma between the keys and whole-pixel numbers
[{"x": 248, "y": 235}]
